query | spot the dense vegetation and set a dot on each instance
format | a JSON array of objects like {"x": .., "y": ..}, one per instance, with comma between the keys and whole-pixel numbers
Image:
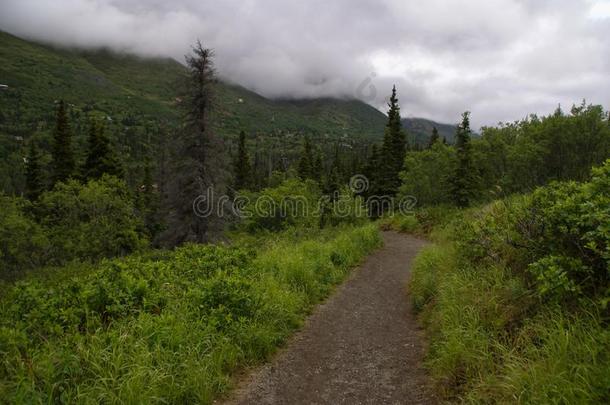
[
  {"x": 515, "y": 295},
  {"x": 105, "y": 156},
  {"x": 165, "y": 326},
  {"x": 511, "y": 158},
  {"x": 138, "y": 100}
]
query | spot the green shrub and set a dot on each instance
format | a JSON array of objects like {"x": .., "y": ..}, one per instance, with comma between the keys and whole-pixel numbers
[
  {"x": 90, "y": 221},
  {"x": 514, "y": 298},
  {"x": 294, "y": 203},
  {"x": 23, "y": 243},
  {"x": 425, "y": 175},
  {"x": 343, "y": 208}
]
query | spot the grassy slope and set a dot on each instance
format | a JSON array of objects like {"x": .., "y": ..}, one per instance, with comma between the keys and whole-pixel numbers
[
  {"x": 166, "y": 327},
  {"x": 492, "y": 338},
  {"x": 37, "y": 75}
]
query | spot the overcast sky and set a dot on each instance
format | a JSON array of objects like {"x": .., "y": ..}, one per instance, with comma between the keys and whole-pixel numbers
[{"x": 500, "y": 59}]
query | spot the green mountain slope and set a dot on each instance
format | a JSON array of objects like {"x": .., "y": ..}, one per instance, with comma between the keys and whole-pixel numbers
[
  {"x": 138, "y": 100},
  {"x": 421, "y": 129},
  {"x": 128, "y": 86}
]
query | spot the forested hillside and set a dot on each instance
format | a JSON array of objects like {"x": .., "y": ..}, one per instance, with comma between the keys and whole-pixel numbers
[
  {"x": 421, "y": 130},
  {"x": 139, "y": 99}
]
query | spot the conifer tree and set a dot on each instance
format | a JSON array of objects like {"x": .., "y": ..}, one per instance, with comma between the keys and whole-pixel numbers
[
  {"x": 333, "y": 179},
  {"x": 317, "y": 167},
  {"x": 393, "y": 149},
  {"x": 372, "y": 171},
  {"x": 305, "y": 169},
  {"x": 434, "y": 138},
  {"x": 242, "y": 169},
  {"x": 100, "y": 159},
  {"x": 34, "y": 183},
  {"x": 63, "y": 165},
  {"x": 463, "y": 182},
  {"x": 198, "y": 168},
  {"x": 148, "y": 203}
]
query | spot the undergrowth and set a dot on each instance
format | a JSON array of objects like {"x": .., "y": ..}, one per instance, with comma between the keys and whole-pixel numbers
[
  {"x": 514, "y": 297},
  {"x": 170, "y": 327}
]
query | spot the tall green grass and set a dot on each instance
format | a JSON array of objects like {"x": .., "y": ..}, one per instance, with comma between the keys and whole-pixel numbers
[
  {"x": 165, "y": 328},
  {"x": 493, "y": 340}
]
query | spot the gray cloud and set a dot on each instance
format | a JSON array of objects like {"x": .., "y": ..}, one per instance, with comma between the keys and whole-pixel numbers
[{"x": 501, "y": 59}]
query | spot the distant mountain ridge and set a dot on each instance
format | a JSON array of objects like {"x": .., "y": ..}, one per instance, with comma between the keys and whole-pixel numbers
[
  {"x": 126, "y": 86},
  {"x": 421, "y": 129}
]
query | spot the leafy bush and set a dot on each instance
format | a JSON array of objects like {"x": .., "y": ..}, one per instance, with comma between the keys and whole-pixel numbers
[
  {"x": 401, "y": 223},
  {"x": 72, "y": 221},
  {"x": 561, "y": 235},
  {"x": 425, "y": 175},
  {"x": 294, "y": 203},
  {"x": 514, "y": 299},
  {"x": 23, "y": 242},
  {"x": 343, "y": 208},
  {"x": 90, "y": 221}
]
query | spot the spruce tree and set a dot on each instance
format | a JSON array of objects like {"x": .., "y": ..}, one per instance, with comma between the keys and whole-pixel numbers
[
  {"x": 393, "y": 149},
  {"x": 333, "y": 179},
  {"x": 63, "y": 165},
  {"x": 100, "y": 159},
  {"x": 148, "y": 203},
  {"x": 242, "y": 169},
  {"x": 305, "y": 169},
  {"x": 199, "y": 170},
  {"x": 434, "y": 138},
  {"x": 372, "y": 171},
  {"x": 463, "y": 182},
  {"x": 34, "y": 183},
  {"x": 317, "y": 167}
]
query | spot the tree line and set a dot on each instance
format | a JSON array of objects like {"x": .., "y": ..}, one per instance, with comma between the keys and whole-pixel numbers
[{"x": 158, "y": 209}]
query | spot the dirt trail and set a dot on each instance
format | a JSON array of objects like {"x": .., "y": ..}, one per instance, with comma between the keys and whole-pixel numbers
[{"x": 362, "y": 346}]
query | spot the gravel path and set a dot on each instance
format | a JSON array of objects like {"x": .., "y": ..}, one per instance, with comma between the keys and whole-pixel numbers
[{"x": 362, "y": 346}]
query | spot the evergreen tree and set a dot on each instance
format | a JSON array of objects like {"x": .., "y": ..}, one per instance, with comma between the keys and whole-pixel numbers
[
  {"x": 434, "y": 138},
  {"x": 333, "y": 179},
  {"x": 260, "y": 174},
  {"x": 63, "y": 165},
  {"x": 372, "y": 171},
  {"x": 242, "y": 168},
  {"x": 100, "y": 159},
  {"x": 148, "y": 204},
  {"x": 317, "y": 167},
  {"x": 393, "y": 149},
  {"x": 34, "y": 183},
  {"x": 198, "y": 170},
  {"x": 463, "y": 182},
  {"x": 305, "y": 169}
]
